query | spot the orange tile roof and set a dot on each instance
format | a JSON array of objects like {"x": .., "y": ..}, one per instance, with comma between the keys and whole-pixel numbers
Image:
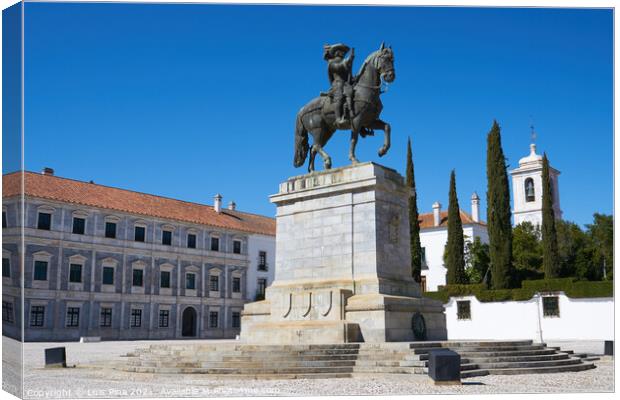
[
  {"x": 426, "y": 219},
  {"x": 90, "y": 194}
]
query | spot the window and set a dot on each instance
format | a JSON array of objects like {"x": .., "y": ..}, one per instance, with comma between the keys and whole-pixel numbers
[
  {"x": 215, "y": 244},
  {"x": 530, "y": 195},
  {"x": 236, "y": 319},
  {"x": 463, "y": 309},
  {"x": 75, "y": 273},
  {"x": 164, "y": 316},
  {"x": 73, "y": 317},
  {"x": 191, "y": 241},
  {"x": 423, "y": 255},
  {"x": 237, "y": 246},
  {"x": 262, "y": 260},
  {"x": 138, "y": 274},
  {"x": 422, "y": 283},
  {"x": 110, "y": 230},
  {"x": 190, "y": 281},
  {"x": 164, "y": 279},
  {"x": 44, "y": 221},
  {"x": 551, "y": 306},
  {"x": 166, "y": 238},
  {"x": 6, "y": 267},
  {"x": 40, "y": 270},
  {"x": 213, "y": 319},
  {"x": 236, "y": 284},
  {"x": 7, "y": 312},
  {"x": 4, "y": 219},
  {"x": 260, "y": 291},
  {"x": 108, "y": 275},
  {"x": 37, "y": 315},
  {"x": 105, "y": 319},
  {"x": 79, "y": 225},
  {"x": 139, "y": 234},
  {"x": 136, "y": 318},
  {"x": 214, "y": 283}
]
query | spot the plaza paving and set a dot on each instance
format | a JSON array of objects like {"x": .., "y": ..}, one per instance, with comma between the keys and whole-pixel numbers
[{"x": 89, "y": 380}]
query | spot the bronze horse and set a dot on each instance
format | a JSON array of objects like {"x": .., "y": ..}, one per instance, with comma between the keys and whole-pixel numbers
[{"x": 318, "y": 118}]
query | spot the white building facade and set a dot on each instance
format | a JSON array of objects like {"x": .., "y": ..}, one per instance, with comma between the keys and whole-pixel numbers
[{"x": 434, "y": 236}]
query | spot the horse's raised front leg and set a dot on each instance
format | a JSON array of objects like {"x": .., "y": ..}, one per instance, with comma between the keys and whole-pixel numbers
[
  {"x": 354, "y": 136},
  {"x": 385, "y": 127}
]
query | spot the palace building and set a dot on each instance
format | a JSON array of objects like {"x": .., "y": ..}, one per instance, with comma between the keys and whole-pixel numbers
[{"x": 117, "y": 264}]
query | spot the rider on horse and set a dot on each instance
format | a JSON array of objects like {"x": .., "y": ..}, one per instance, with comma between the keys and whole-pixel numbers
[{"x": 340, "y": 76}]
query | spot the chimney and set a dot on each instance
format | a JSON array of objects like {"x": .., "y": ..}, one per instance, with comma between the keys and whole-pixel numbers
[
  {"x": 436, "y": 213},
  {"x": 48, "y": 171},
  {"x": 232, "y": 206},
  {"x": 475, "y": 207},
  {"x": 217, "y": 203}
]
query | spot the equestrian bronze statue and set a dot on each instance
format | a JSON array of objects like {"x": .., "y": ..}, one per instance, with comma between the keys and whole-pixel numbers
[{"x": 352, "y": 103}]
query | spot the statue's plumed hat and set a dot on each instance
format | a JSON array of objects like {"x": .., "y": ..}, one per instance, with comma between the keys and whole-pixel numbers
[{"x": 329, "y": 50}]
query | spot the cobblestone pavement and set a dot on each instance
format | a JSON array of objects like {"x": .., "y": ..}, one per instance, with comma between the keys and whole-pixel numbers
[{"x": 85, "y": 381}]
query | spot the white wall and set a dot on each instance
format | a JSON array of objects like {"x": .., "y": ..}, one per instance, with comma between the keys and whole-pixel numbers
[
  {"x": 580, "y": 319},
  {"x": 258, "y": 243}
]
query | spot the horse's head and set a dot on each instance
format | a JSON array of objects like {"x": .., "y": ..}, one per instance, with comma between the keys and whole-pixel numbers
[{"x": 385, "y": 63}]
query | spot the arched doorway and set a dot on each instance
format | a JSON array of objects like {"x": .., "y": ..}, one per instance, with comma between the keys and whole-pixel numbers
[{"x": 189, "y": 322}]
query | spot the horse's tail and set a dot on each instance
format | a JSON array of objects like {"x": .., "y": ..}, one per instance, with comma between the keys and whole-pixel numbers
[{"x": 301, "y": 142}]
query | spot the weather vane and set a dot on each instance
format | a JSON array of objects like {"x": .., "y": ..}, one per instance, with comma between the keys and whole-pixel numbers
[{"x": 533, "y": 132}]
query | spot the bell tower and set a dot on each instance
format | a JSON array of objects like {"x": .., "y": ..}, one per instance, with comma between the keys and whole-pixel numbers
[{"x": 527, "y": 189}]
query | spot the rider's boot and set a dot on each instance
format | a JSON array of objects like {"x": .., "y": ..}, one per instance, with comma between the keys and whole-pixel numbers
[{"x": 339, "y": 115}]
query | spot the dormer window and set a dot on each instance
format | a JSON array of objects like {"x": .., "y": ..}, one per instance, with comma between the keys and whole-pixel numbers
[{"x": 530, "y": 194}]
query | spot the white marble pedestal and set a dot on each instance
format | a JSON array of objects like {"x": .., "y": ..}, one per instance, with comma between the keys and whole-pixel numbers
[{"x": 342, "y": 263}]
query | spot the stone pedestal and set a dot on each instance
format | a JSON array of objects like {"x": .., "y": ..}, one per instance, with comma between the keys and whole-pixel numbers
[{"x": 342, "y": 263}]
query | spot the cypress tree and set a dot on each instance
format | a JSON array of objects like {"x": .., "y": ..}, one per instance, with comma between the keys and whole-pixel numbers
[
  {"x": 551, "y": 256},
  {"x": 414, "y": 224},
  {"x": 498, "y": 212},
  {"x": 455, "y": 248}
]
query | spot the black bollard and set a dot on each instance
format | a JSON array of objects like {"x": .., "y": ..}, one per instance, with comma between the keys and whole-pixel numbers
[
  {"x": 55, "y": 357},
  {"x": 609, "y": 348},
  {"x": 444, "y": 367}
]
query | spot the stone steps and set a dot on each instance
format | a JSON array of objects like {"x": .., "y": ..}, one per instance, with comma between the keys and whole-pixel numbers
[
  {"x": 343, "y": 360},
  {"x": 533, "y": 370},
  {"x": 499, "y": 353},
  {"x": 544, "y": 357},
  {"x": 523, "y": 364},
  {"x": 240, "y": 364},
  {"x": 243, "y": 370}
]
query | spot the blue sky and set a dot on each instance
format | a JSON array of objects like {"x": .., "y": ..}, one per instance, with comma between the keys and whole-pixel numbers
[{"x": 189, "y": 100}]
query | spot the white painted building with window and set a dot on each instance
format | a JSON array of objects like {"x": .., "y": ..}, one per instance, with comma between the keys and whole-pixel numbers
[
  {"x": 434, "y": 236},
  {"x": 545, "y": 317}
]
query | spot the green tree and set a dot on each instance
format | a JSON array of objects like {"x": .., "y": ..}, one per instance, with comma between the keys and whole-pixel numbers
[
  {"x": 476, "y": 260},
  {"x": 455, "y": 248},
  {"x": 526, "y": 250},
  {"x": 414, "y": 223},
  {"x": 574, "y": 251},
  {"x": 601, "y": 233},
  {"x": 498, "y": 212},
  {"x": 551, "y": 257}
]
